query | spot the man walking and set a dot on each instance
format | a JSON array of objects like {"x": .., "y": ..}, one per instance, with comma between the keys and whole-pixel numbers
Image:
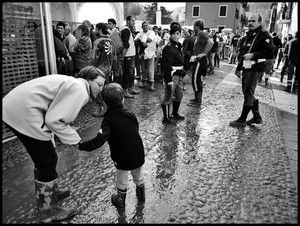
[{"x": 256, "y": 47}]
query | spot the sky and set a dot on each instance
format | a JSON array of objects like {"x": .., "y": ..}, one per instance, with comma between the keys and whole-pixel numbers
[
  {"x": 168, "y": 5},
  {"x": 90, "y": 11}
]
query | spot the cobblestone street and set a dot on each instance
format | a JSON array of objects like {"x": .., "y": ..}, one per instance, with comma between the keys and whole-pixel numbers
[{"x": 199, "y": 170}]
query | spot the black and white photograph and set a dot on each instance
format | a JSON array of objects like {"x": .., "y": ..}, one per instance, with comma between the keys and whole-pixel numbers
[{"x": 150, "y": 112}]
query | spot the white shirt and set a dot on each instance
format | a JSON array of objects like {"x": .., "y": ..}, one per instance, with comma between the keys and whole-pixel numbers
[
  {"x": 151, "y": 46},
  {"x": 72, "y": 42},
  {"x": 46, "y": 105}
]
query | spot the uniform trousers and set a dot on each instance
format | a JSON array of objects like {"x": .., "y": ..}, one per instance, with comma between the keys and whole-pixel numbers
[
  {"x": 249, "y": 84},
  {"x": 199, "y": 69}
]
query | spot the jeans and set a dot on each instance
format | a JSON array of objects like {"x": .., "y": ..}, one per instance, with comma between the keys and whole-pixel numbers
[
  {"x": 122, "y": 177},
  {"x": 147, "y": 69}
]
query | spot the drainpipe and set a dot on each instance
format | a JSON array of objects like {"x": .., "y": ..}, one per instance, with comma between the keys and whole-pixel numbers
[
  {"x": 50, "y": 39},
  {"x": 44, "y": 40}
]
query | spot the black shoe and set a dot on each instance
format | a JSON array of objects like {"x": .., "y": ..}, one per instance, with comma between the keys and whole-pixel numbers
[
  {"x": 238, "y": 123},
  {"x": 166, "y": 120},
  {"x": 177, "y": 117},
  {"x": 255, "y": 120}
]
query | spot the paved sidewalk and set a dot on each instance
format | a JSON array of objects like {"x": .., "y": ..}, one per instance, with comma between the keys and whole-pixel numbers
[
  {"x": 287, "y": 108},
  {"x": 287, "y": 102}
]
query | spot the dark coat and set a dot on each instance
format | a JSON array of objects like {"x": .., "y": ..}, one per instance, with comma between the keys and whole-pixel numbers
[
  {"x": 263, "y": 47},
  {"x": 120, "y": 128},
  {"x": 171, "y": 56},
  {"x": 293, "y": 51}
]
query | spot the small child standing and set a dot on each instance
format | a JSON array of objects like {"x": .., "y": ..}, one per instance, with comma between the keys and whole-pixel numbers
[{"x": 120, "y": 128}]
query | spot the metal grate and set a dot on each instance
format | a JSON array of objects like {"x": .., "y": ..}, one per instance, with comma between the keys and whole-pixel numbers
[{"x": 19, "y": 58}]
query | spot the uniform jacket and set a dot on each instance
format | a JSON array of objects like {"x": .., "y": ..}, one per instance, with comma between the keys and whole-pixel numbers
[
  {"x": 47, "y": 104},
  {"x": 263, "y": 48},
  {"x": 171, "y": 56},
  {"x": 120, "y": 128}
]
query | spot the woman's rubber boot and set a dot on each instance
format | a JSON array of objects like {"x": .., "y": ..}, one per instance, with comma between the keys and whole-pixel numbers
[
  {"x": 175, "y": 114},
  {"x": 241, "y": 121},
  {"x": 140, "y": 192},
  {"x": 60, "y": 193},
  {"x": 166, "y": 112},
  {"x": 256, "y": 115},
  {"x": 49, "y": 210},
  {"x": 118, "y": 200}
]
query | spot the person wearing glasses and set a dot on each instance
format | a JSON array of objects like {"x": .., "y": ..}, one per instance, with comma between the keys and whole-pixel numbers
[
  {"x": 255, "y": 48},
  {"x": 37, "y": 110}
]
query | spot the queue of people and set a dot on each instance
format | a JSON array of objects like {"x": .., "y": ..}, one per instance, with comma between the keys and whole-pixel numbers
[{"x": 101, "y": 66}]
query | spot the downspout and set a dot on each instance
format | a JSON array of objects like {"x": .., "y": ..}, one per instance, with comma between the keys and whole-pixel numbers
[
  {"x": 50, "y": 39},
  {"x": 44, "y": 40}
]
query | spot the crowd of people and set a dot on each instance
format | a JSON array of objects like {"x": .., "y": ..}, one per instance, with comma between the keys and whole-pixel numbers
[
  {"x": 82, "y": 47},
  {"x": 102, "y": 65}
]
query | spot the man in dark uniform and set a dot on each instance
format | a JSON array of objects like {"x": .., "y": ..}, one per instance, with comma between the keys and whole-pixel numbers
[{"x": 256, "y": 47}]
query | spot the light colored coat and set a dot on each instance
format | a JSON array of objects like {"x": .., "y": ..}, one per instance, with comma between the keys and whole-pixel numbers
[{"x": 47, "y": 104}]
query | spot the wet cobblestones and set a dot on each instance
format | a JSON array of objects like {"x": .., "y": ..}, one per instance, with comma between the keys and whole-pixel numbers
[{"x": 198, "y": 170}]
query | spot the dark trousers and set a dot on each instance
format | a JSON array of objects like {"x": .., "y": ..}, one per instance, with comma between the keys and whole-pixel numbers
[
  {"x": 128, "y": 72},
  {"x": 199, "y": 69},
  {"x": 43, "y": 155},
  {"x": 249, "y": 84}
]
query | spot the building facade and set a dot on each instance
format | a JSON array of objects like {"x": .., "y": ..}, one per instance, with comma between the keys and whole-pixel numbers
[
  {"x": 216, "y": 15},
  {"x": 287, "y": 18}
]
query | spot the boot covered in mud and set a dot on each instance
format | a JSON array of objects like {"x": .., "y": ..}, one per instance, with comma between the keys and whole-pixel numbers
[
  {"x": 118, "y": 200},
  {"x": 47, "y": 206},
  {"x": 60, "y": 193}
]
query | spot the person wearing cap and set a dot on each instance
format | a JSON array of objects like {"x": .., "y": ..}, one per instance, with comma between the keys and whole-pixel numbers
[
  {"x": 173, "y": 73},
  {"x": 103, "y": 57},
  {"x": 47, "y": 105}
]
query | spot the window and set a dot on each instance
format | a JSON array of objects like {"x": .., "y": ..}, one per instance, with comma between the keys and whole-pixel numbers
[
  {"x": 196, "y": 11},
  {"x": 223, "y": 11}
]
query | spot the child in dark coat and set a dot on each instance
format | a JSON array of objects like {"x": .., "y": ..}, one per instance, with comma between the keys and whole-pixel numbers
[{"x": 120, "y": 128}]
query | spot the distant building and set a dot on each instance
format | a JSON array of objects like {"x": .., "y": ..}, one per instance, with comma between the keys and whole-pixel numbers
[
  {"x": 287, "y": 18},
  {"x": 216, "y": 15}
]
